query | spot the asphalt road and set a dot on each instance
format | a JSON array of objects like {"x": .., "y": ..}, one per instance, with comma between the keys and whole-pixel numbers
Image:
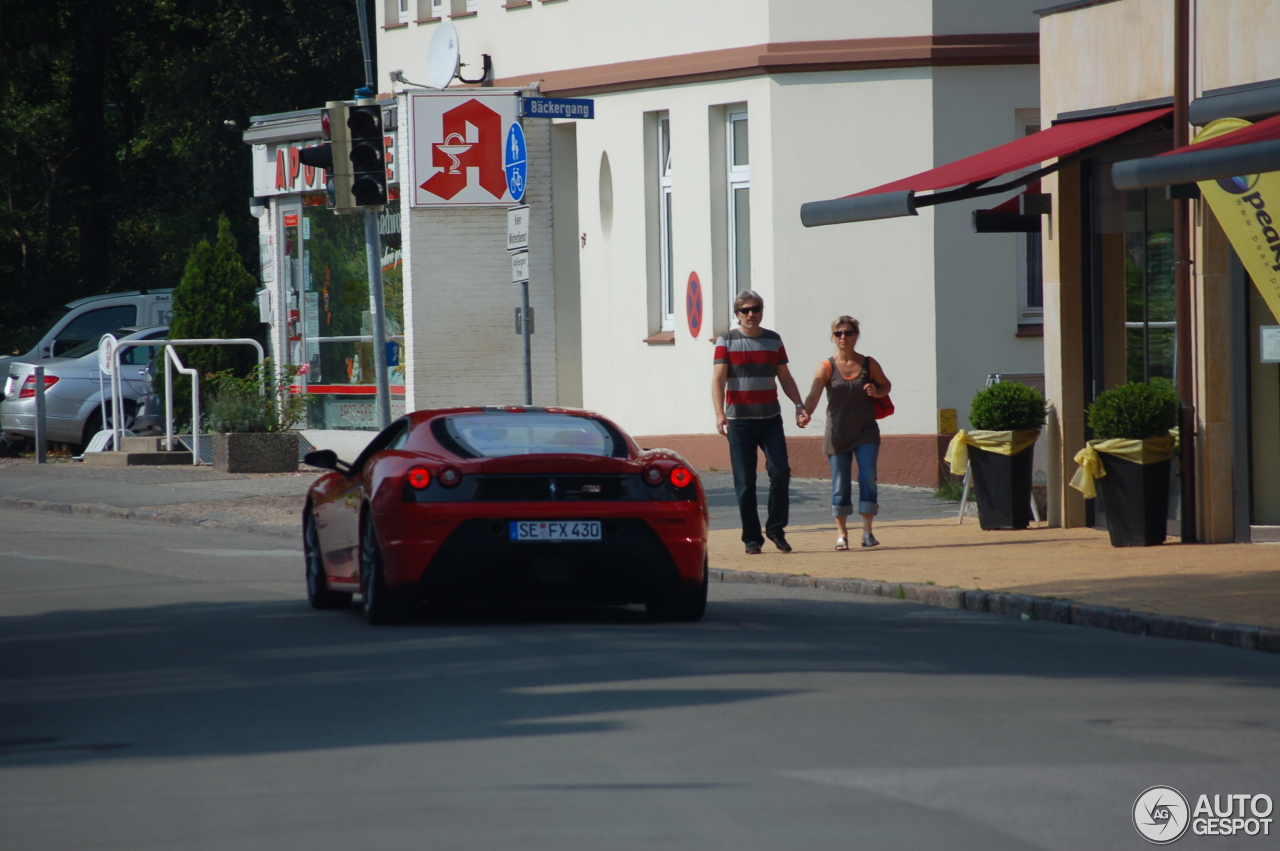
[{"x": 170, "y": 689}]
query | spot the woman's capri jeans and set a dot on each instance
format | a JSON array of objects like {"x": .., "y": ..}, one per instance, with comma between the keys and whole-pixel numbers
[{"x": 842, "y": 484}]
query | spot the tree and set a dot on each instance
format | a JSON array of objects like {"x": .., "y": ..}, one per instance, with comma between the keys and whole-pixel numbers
[
  {"x": 115, "y": 156},
  {"x": 215, "y": 300}
]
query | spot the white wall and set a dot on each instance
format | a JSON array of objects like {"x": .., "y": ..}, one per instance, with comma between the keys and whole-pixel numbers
[
  {"x": 860, "y": 130},
  {"x": 976, "y": 275}
]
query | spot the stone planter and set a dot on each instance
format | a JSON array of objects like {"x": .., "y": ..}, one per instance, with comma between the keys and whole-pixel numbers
[
  {"x": 1003, "y": 485},
  {"x": 263, "y": 452},
  {"x": 1135, "y": 498}
]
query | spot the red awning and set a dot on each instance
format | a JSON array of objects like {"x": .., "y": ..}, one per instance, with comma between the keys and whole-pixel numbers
[
  {"x": 1057, "y": 141},
  {"x": 898, "y": 198},
  {"x": 1263, "y": 131},
  {"x": 1250, "y": 150}
]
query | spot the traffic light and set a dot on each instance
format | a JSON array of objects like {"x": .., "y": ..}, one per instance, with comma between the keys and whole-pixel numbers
[
  {"x": 333, "y": 155},
  {"x": 367, "y": 155}
]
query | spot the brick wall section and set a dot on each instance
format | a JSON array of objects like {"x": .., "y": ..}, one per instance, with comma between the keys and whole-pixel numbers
[{"x": 461, "y": 345}]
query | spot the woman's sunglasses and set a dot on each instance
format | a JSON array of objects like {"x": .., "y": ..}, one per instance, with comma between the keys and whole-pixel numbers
[{"x": 845, "y": 334}]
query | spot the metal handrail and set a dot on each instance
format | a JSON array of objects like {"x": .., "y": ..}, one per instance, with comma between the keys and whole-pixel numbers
[
  {"x": 117, "y": 407},
  {"x": 172, "y": 357}
]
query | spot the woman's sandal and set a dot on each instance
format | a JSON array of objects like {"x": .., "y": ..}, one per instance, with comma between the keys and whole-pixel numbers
[
  {"x": 842, "y": 543},
  {"x": 869, "y": 540}
]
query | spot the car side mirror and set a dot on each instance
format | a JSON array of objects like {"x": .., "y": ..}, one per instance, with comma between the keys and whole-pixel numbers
[{"x": 327, "y": 459}]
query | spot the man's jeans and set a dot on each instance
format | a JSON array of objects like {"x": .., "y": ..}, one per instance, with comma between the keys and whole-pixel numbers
[
  {"x": 842, "y": 487},
  {"x": 744, "y": 438}
]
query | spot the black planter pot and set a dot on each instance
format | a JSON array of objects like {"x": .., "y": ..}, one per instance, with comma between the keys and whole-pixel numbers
[
  {"x": 1003, "y": 483},
  {"x": 1135, "y": 498}
]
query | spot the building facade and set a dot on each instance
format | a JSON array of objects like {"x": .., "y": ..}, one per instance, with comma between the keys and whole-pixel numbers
[{"x": 1108, "y": 262}]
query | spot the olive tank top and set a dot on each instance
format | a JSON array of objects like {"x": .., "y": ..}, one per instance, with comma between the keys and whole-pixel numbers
[{"x": 851, "y": 415}]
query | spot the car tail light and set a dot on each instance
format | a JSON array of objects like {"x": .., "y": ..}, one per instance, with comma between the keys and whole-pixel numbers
[
  {"x": 681, "y": 477},
  {"x": 28, "y": 390},
  {"x": 449, "y": 476},
  {"x": 652, "y": 475},
  {"x": 419, "y": 477}
]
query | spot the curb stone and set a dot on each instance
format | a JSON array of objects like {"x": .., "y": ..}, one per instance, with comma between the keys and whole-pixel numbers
[
  {"x": 1027, "y": 607},
  {"x": 1024, "y": 606},
  {"x": 152, "y": 517}
]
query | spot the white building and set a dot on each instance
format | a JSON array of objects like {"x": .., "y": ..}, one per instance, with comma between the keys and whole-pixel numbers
[{"x": 714, "y": 121}]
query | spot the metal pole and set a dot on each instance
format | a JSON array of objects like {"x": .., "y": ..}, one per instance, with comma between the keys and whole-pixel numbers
[
  {"x": 41, "y": 450},
  {"x": 362, "y": 13},
  {"x": 525, "y": 324},
  {"x": 1182, "y": 277},
  {"x": 373, "y": 248}
]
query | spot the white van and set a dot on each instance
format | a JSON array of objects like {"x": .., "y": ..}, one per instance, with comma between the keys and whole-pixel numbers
[{"x": 90, "y": 318}]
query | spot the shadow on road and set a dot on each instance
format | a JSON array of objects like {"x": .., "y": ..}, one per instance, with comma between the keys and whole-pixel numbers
[{"x": 260, "y": 677}]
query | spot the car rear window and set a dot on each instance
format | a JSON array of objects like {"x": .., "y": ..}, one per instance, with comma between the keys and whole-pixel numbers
[{"x": 494, "y": 435}]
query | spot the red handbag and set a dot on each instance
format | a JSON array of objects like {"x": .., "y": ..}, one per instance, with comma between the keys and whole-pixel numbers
[{"x": 883, "y": 404}]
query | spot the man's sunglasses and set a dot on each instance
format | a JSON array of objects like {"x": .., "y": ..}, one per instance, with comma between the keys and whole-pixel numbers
[{"x": 757, "y": 309}]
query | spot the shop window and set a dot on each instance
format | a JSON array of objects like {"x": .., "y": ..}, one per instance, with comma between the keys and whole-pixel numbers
[
  {"x": 665, "y": 263},
  {"x": 1131, "y": 300},
  {"x": 738, "y": 161}
]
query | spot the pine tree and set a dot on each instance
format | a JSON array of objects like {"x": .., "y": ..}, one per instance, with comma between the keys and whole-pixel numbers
[{"x": 214, "y": 300}]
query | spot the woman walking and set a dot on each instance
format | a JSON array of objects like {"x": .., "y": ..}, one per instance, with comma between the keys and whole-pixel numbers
[{"x": 852, "y": 382}]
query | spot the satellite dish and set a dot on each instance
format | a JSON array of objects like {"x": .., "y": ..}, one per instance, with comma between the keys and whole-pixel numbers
[{"x": 443, "y": 56}]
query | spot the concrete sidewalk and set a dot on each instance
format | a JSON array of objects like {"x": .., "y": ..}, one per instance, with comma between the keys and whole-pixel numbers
[{"x": 1229, "y": 593}]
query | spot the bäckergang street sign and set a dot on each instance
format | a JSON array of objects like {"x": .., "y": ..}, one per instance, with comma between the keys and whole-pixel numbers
[{"x": 558, "y": 107}]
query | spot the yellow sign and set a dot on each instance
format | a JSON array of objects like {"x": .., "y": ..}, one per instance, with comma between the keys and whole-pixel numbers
[
  {"x": 946, "y": 421},
  {"x": 1248, "y": 207}
]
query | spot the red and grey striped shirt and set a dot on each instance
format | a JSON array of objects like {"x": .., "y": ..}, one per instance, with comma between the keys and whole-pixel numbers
[{"x": 751, "y": 392}]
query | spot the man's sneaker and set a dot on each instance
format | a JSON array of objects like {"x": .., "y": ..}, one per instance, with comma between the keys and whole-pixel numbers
[
  {"x": 753, "y": 549},
  {"x": 780, "y": 541},
  {"x": 869, "y": 540}
]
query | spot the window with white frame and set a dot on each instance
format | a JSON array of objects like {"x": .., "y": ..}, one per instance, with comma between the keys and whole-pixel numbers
[
  {"x": 473, "y": 5},
  {"x": 664, "y": 222},
  {"x": 738, "y": 160},
  {"x": 1030, "y": 266},
  {"x": 403, "y": 9},
  {"x": 437, "y": 8}
]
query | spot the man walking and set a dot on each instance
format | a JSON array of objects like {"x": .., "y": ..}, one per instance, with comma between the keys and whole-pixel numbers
[{"x": 748, "y": 361}]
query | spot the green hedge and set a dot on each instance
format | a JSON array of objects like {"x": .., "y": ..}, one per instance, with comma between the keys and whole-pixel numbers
[
  {"x": 1134, "y": 411},
  {"x": 1007, "y": 406}
]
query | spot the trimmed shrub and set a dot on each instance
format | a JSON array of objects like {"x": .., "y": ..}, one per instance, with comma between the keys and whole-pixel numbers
[
  {"x": 1134, "y": 411},
  {"x": 239, "y": 405},
  {"x": 1007, "y": 406}
]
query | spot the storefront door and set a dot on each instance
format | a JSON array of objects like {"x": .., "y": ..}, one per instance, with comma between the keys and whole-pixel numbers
[{"x": 1130, "y": 319}]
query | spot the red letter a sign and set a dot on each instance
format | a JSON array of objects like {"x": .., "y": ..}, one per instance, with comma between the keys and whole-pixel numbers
[{"x": 472, "y": 138}]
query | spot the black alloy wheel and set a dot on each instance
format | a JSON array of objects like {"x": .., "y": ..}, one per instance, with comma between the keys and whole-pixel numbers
[
  {"x": 381, "y": 604},
  {"x": 319, "y": 594},
  {"x": 684, "y": 605}
]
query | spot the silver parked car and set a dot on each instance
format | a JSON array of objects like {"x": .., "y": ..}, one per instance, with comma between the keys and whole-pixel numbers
[{"x": 73, "y": 398}]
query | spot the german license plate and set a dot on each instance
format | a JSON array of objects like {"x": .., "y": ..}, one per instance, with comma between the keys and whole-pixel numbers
[{"x": 555, "y": 530}]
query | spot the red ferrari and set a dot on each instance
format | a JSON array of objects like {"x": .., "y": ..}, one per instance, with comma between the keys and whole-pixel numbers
[{"x": 517, "y": 504}]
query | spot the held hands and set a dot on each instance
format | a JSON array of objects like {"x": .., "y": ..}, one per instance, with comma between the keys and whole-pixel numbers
[{"x": 802, "y": 416}]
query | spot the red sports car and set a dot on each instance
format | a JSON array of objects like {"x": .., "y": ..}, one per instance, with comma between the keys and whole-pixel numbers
[{"x": 517, "y": 504}]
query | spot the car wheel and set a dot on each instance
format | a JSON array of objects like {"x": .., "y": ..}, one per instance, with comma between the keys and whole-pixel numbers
[
  {"x": 685, "y": 605},
  {"x": 381, "y": 604},
  {"x": 93, "y": 424},
  {"x": 319, "y": 594}
]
